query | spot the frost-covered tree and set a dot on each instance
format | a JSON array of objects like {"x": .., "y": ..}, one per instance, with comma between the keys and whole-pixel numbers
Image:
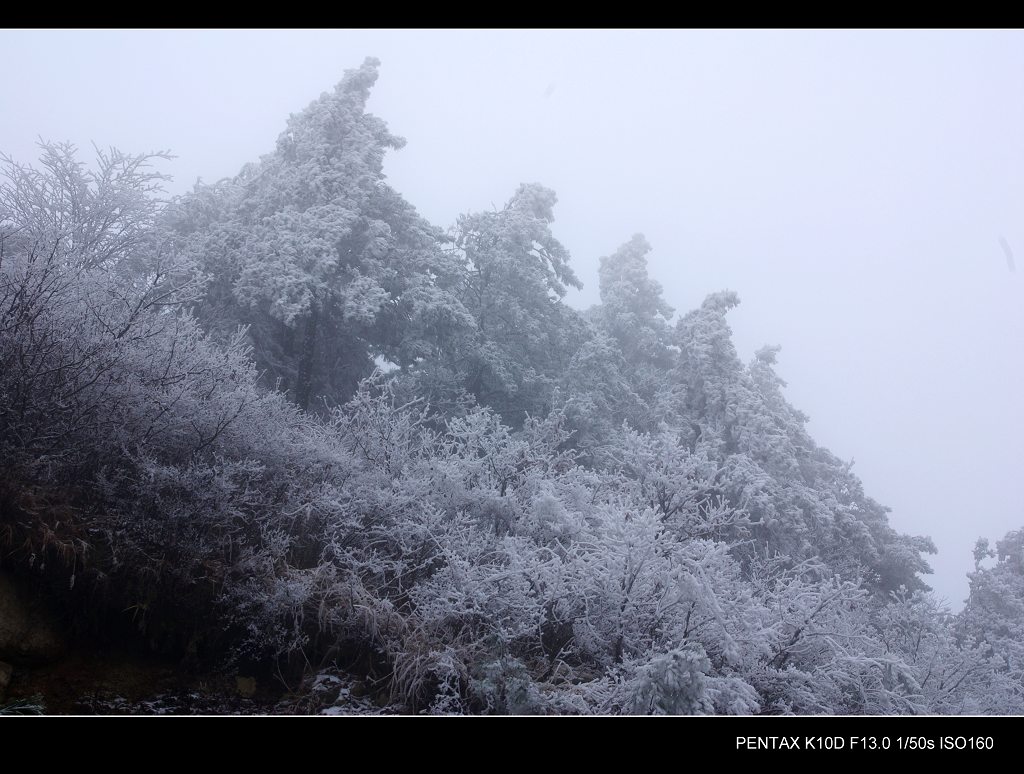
[
  {"x": 632, "y": 308},
  {"x": 324, "y": 262},
  {"x": 815, "y": 506},
  {"x": 84, "y": 279},
  {"x": 619, "y": 374},
  {"x": 523, "y": 335},
  {"x": 994, "y": 617},
  {"x": 946, "y": 669}
]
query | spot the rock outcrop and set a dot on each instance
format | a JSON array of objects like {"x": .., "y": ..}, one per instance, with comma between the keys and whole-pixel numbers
[{"x": 30, "y": 632}]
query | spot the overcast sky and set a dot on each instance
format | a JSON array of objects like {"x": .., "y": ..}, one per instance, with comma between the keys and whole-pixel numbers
[{"x": 852, "y": 187}]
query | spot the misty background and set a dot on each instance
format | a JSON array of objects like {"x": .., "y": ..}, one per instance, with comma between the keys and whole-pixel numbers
[{"x": 863, "y": 193}]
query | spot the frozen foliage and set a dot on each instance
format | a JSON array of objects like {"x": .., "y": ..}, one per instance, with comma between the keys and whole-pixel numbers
[
  {"x": 994, "y": 620},
  {"x": 311, "y": 248},
  {"x": 530, "y": 510}
]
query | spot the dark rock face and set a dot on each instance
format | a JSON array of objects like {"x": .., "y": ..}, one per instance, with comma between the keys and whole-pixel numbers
[
  {"x": 30, "y": 632},
  {"x": 6, "y": 670}
]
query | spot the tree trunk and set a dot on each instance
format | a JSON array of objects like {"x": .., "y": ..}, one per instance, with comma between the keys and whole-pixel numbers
[{"x": 304, "y": 385}]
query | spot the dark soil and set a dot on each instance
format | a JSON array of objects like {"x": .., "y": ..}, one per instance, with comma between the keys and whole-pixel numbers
[{"x": 123, "y": 683}]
